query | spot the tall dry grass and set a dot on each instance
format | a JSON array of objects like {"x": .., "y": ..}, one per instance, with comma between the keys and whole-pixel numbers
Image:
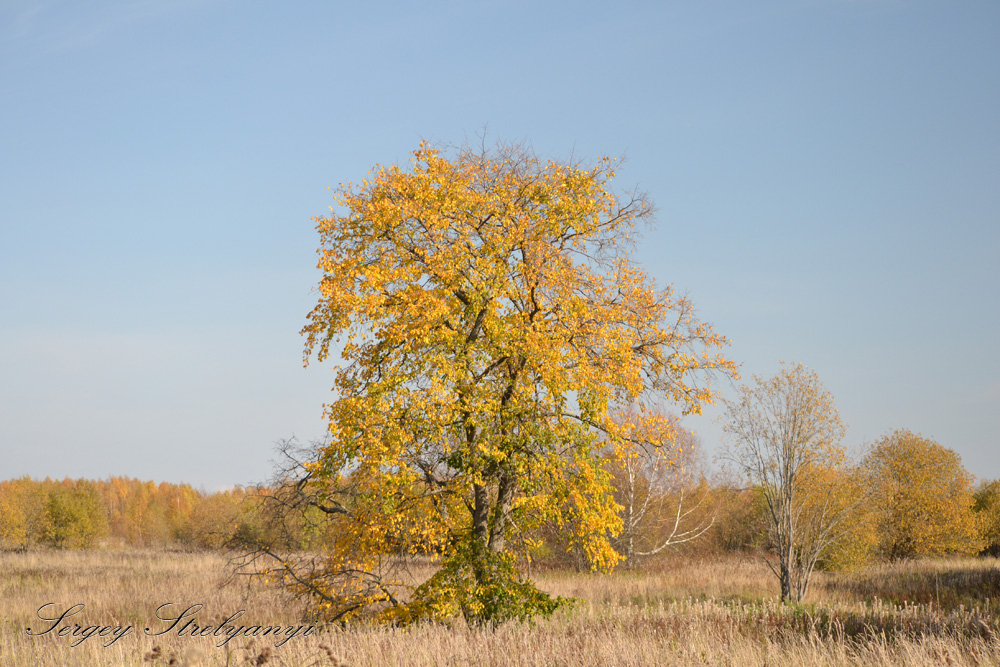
[{"x": 720, "y": 612}]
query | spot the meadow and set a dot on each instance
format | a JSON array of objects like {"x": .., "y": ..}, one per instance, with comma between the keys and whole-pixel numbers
[{"x": 721, "y": 611}]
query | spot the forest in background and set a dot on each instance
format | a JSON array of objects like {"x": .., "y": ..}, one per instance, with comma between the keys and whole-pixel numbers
[
  {"x": 118, "y": 511},
  {"x": 663, "y": 514}
]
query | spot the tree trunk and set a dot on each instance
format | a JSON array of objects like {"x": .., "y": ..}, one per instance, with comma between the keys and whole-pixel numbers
[
  {"x": 481, "y": 513},
  {"x": 786, "y": 582},
  {"x": 501, "y": 513}
]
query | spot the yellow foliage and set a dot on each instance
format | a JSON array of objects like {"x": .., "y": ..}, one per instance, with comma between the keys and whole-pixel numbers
[
  {"x": 838, "y": 492},
  {"x": 489, "y": 320},
  {"x": 922, "y": 498},
  {"x": 22, "y": 513},
  {"x": 987, "y": 508}
]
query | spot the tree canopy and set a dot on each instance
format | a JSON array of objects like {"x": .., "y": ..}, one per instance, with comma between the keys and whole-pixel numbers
[{"x": 489, "y": 320}]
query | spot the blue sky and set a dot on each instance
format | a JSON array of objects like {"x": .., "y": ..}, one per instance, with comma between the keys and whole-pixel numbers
[{"x": 827, "y": 175}]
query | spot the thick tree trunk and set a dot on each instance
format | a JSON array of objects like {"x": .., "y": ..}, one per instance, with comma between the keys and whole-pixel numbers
[
  {"x": 501, "y": 513},
  {"x": 481, "y": 513}
]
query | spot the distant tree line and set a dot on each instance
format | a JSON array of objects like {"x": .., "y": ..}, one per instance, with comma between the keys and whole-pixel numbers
[
  {"x": 922, "y": 502},
  {"x": 119, "y": 511}
]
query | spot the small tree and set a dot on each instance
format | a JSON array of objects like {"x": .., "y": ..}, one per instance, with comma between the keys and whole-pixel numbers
[
  {"x": 922, "y": 498},
  {"x": 490, "y": 319},
  {"x": 784, "y": 436}
]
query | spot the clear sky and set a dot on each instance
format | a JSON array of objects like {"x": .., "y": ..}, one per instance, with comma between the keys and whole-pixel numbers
[{"x": 827, "y": 174}]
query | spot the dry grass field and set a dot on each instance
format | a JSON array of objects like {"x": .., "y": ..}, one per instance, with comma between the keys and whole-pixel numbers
[{"x": 686, "y": 613}]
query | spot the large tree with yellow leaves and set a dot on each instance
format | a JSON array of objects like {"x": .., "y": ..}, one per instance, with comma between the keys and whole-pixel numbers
[{"x": 489, "y": 320}]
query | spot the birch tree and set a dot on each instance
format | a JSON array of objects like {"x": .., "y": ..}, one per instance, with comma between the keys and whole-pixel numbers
[{"x": 663, "y": 502}]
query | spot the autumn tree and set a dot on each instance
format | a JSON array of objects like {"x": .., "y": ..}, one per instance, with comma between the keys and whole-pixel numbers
[
  {"x": 922, "y": 497},
  {"x": 489, "y": 319},
  {"x": 224, "y": 516},
  {"x": 75, "y": 517},
  {"x": 784, "y": 436},
  {"x": 22, "y": 513}
]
